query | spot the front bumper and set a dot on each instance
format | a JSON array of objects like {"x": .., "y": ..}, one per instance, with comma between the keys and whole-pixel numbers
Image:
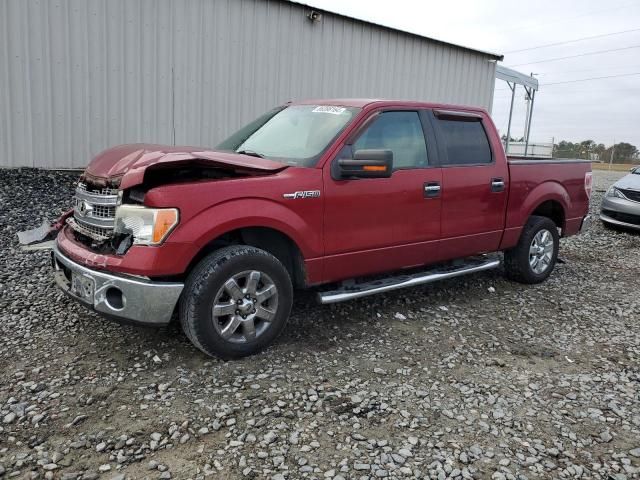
[
  {"x": 621, "y": 212},
  {"x": 128, "y": 298}
]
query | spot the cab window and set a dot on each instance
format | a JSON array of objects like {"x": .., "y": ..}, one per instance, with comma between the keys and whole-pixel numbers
[
  {"x": 400, "y": 132},
  {"x": 465, "y": 141}
]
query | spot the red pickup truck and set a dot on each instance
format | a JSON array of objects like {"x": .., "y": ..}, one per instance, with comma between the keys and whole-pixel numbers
[{"x": 362, "y": 196}]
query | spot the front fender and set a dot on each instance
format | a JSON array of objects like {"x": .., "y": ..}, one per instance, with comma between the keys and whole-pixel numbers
[{"x": 303, "y": 227}]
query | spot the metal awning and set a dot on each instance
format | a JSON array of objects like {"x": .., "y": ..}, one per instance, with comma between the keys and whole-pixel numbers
[
  {"x": 513, "y": 76},
  {"x": 530, "y": 84}
]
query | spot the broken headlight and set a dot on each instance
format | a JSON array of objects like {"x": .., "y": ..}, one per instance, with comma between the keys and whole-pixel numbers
[{"x": 147, "y": 226}]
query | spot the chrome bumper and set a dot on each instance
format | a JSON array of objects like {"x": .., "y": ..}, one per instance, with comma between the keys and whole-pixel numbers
[{"x": 132, "y": 299}]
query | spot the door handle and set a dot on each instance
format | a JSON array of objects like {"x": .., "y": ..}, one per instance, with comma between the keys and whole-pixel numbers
[
  {"x": 497, "y": 185},
  {"x": 431, "y": 190}
]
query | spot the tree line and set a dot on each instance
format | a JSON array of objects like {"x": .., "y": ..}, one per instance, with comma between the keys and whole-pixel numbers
[{"x": 588, "y": 149}]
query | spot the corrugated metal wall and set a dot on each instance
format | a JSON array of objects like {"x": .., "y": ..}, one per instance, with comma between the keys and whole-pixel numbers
[{"x": 78, "y": 76}]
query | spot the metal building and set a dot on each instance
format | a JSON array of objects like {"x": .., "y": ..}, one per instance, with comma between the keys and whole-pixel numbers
[{"x": 78, "y": 76}]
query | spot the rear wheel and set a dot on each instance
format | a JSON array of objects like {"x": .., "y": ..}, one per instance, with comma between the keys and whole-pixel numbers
[
  {"x": 533, "y": 259},
  {"x": 236, "y": 301}
]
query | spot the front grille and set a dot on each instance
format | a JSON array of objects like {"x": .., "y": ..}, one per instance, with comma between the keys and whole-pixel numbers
[
  {"x": 94, "y": 211},
  {"x": 90, "y": 231},
  {"x": 631, "y": 194},
  {"x": 622, "y": 217},
  {"x": 94, "y": 190},
  {"x": 100, "y": 211}
]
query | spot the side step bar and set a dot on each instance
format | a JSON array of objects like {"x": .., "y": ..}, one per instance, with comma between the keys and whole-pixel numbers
[{"x": 357, "y": 290}]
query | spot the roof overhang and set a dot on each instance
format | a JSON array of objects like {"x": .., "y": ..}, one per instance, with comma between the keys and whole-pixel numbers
[
  {"x": 513, "y": 76},
  {"x": 494, "y": 56}
]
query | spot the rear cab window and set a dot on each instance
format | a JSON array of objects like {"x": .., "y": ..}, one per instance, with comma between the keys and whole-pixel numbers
[{"x": 463, "y": 138}]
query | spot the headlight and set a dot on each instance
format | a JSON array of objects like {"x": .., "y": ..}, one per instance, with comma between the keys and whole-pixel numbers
[
  {"x": 148, "y": 226},
  {"x": 614, "y": 192}
]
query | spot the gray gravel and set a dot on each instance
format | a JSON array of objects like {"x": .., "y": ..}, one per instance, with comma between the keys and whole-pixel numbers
[{"x": 471, "y": 378}]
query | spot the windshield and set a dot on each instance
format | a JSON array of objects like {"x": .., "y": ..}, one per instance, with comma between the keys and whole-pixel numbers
[
  {"x": 636, "y": 171},
  {"x": 296, "y": 135}
]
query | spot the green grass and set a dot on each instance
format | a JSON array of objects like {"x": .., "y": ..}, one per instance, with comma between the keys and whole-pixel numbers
[{"x": 617, "y": 167}]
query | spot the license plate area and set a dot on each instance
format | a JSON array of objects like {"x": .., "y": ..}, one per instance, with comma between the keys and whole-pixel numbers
[{"x": 82, "y": 287}]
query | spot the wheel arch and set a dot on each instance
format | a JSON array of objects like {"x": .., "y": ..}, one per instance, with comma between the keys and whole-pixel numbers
[
  {"x": 553, "y": 210},
  {"x": 549, "y": 199},
  {"x": 269, "y": 239}
]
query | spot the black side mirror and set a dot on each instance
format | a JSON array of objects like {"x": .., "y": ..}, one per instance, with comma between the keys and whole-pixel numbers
[{"x": 371, "y": 163}]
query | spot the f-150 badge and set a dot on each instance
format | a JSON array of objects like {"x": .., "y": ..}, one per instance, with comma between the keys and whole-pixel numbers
[{"x": 303, "y": 194}]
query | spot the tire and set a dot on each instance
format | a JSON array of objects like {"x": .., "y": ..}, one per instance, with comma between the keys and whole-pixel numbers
[
  {"x": 519, "y": 262},
  {"x": 263, "y": 299}
]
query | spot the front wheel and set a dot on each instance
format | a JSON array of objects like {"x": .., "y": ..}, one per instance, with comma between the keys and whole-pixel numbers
[
  {"x": 236, "y": 301},
  {"x": 533, "y": 259}
]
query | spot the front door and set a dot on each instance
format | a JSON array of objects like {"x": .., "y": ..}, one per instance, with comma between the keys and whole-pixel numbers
[{"x": 381, "y": 224}]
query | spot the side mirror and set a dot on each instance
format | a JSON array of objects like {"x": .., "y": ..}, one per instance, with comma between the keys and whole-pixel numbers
[{"x": 372, "y": 163}]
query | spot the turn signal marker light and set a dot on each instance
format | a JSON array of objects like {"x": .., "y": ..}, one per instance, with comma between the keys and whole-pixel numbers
[
  {"x": 374, "y": 168},
  {"x": 165, "y": 220}
]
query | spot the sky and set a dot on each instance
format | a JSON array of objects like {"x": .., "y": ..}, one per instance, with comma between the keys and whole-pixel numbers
[{"x": 603, "y": 110}]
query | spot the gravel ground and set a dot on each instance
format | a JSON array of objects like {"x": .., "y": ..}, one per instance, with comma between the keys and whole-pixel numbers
[{"x": 470, "y": 378}]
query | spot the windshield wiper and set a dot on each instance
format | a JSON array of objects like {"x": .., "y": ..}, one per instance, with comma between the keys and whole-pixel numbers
[{"x": 250, "y": 153}]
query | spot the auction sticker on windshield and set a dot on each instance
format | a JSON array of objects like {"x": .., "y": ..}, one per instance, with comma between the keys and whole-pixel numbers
[{"x": 329, "y": 109}]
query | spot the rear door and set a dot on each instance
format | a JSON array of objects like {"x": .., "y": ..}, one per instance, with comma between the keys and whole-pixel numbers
[
  {"x": 379, "y": 224},
  {"x": 474, "y": 184}
]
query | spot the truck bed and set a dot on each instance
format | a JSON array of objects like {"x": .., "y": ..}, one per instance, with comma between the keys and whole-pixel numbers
[{"x": 563, "y": 177}]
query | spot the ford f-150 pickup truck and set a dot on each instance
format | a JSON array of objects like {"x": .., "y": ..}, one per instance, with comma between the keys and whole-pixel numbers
[{"x": 361, "y": 196}]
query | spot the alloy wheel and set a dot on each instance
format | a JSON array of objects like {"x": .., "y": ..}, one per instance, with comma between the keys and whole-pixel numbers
[
  {"x": 541, "y": 251},
  {"x": 244, "y": 306}
]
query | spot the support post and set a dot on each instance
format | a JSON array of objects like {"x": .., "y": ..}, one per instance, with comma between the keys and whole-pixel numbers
[
  {"x": 526, "y": 145},
  {"x": 513, "y": 93}
]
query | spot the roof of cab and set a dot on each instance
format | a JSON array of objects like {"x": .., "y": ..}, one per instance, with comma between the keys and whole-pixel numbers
[
  {"x": 381, "y": 102},
  {"x": 342, "y": 102}
]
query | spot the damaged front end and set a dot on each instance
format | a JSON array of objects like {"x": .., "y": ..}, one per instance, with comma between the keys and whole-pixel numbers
[
  {"x": 109, "y": 220},
  {"x": 112, "y": 212},
  {"x": 108, "y": 214},
  {"x": 91, "y": 219}
]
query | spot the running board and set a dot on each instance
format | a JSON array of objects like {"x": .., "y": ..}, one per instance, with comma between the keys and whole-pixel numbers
[{"x": 357, "y": 290}]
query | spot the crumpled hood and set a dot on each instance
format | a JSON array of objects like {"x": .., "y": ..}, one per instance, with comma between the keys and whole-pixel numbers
[
  {"x": 629, "y": 182},
  {"x": 126, "y": 164}
]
